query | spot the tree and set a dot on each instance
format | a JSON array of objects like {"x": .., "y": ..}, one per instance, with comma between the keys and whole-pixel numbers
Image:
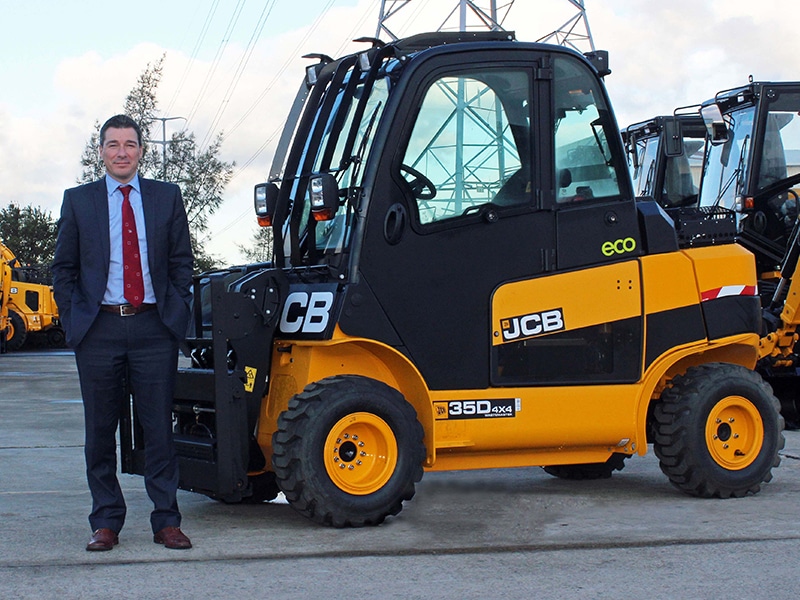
[
  {"x": 260, "y": 248},
  {"x": 29, "y": 232},
  {"x": 202, "y": 177},
  {"x": 200, "y": 173}
]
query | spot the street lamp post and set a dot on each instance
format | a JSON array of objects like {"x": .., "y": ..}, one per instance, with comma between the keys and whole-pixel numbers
[{"x": 163, "y": 142}]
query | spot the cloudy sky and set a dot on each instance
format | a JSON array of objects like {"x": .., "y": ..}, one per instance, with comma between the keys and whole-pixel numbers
[{"x": 234, "y": 66}]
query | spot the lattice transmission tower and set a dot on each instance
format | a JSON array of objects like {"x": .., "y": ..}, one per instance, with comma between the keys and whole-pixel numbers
[
  {"x": 397, "y": 19},
  {"x": 471, "y": 15}
]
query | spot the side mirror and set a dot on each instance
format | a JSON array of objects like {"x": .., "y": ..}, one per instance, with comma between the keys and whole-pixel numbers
[
  {"x": 324, "y": 197},
  {"x": 715, "y": 124},
  {"x": 265, "y": 200},
  {"x": 673, "y": 137}
]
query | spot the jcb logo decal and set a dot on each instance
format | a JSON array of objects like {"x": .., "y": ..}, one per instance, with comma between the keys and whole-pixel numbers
[
  {"x": 532, "y": 324},
  {"x": 306, "y": 312},
  {"x": 620, "y": 246}
]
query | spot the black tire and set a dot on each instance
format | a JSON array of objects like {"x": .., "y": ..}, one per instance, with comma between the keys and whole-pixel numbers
[
  {"x": 718, "y": 431},
  {"x": 602, "y": 470},
  {"x": 56, "y": 337},
  {"x": 318, "y": 442},
  {"x": 17, "y": 332},
  {"x": 264, "y": 488}
]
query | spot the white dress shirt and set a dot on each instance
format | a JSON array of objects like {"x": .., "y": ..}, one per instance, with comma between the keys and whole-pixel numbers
[{"x": 114, "y": 287}]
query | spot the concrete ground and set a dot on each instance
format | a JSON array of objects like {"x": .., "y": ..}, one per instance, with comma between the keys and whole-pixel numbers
[{"x": 516, "y": 533}]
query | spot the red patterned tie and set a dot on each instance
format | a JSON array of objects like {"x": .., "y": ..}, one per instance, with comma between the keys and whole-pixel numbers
[{"x": 131, "y": 262}]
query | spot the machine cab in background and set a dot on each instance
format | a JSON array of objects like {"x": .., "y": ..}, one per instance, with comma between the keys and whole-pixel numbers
[
  {"x": 665, "y": 156},
  {"x": 753, "y": 168}
]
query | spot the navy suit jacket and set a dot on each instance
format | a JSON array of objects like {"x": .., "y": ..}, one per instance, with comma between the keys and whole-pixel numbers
[{"x": 80, "y": 266}]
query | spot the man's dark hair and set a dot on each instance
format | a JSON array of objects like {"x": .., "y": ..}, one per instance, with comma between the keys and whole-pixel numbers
[{"x": 120, "y": 122}]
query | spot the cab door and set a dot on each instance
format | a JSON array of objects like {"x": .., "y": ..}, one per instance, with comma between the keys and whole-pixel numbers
[{"x": 466, "y": 197}]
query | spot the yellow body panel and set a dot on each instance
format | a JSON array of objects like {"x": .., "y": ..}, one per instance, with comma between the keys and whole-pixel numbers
[
  {"x": 576, "y": 423},
  {"x": 546, "y": 420},
  {"x": 296, "y": 364},
  {"x": 666, "y": 293},
  {"x": 13, "y": 295},
  {"x": 6, "y": 256},
  {"x": 718, "y": 266},
  {"x": 613, "y": 290},
  {"x": 45, "y": 317}
]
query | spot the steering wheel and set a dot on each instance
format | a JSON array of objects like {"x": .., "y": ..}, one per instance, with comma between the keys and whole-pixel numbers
[{"x": 421, "y": 186}]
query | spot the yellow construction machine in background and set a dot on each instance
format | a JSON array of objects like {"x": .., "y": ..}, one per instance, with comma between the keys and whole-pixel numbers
[{"x": 26, "y": 305}]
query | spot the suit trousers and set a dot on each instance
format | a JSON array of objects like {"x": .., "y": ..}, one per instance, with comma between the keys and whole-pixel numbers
[{"x": 141, "y": 348}]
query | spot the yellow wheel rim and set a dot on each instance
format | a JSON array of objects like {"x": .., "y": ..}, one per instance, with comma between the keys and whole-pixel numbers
[
  {"x": 734, "y": 433},
  {"x": 360, "y": 453}
]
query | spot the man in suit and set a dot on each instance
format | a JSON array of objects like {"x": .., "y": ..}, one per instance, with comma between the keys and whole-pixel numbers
[{"x": 122, "y": 275}]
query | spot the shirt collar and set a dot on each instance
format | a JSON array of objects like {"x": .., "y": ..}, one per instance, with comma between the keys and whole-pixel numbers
[{"x": 112, "y": 184}]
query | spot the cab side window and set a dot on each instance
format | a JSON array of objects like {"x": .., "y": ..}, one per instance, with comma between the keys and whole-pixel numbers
[
  {"x": 469, "y": 145},
  {"x": 584, "y": 163}
]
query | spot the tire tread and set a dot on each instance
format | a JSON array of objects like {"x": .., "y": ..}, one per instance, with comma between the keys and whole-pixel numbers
[{"x": 678, "y": 414}]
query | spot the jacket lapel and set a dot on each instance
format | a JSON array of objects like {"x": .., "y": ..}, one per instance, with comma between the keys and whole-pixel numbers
[
  {"x": 99, "y": 201},
  {"x": 149, "y": 209}
]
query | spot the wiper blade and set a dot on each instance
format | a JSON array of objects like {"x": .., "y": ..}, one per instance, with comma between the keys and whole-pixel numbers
[
  {"x": 737, "y": 175},
  {"x": 362, "y": 147}
]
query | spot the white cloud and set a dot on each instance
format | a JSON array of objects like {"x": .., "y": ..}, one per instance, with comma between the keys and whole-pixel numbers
[{"x": 663, "y": 55}]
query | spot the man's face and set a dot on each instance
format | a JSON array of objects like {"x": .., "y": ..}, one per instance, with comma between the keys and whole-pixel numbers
[{"x": 121, "y": 153}]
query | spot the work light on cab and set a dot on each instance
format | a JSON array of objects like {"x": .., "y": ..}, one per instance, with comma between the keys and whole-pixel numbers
[
  {"x": 324, "y": 197},
  {"x": 265, "y": 199}
]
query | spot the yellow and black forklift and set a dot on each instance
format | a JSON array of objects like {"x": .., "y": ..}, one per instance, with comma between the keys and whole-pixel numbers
[{"x": 463, "y": 279}]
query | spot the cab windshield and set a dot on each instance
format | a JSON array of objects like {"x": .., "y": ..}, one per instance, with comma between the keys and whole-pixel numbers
[
  {"x": 727, "y": 164},
  {"x": 331, "y": 236},
  {"x": 749, "y": 162},
  {"x": 341, "y": 118}
]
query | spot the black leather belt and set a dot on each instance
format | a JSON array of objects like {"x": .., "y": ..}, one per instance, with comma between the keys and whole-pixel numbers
[{"x": 126, "y": 310}]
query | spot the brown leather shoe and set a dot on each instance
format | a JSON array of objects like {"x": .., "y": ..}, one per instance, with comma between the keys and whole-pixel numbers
[
  {"x": 172, "y": 537},
  {"x": 102, "y": 539}
]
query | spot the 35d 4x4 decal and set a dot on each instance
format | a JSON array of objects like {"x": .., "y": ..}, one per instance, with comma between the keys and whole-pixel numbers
[{"x": 477, "y": 409}]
